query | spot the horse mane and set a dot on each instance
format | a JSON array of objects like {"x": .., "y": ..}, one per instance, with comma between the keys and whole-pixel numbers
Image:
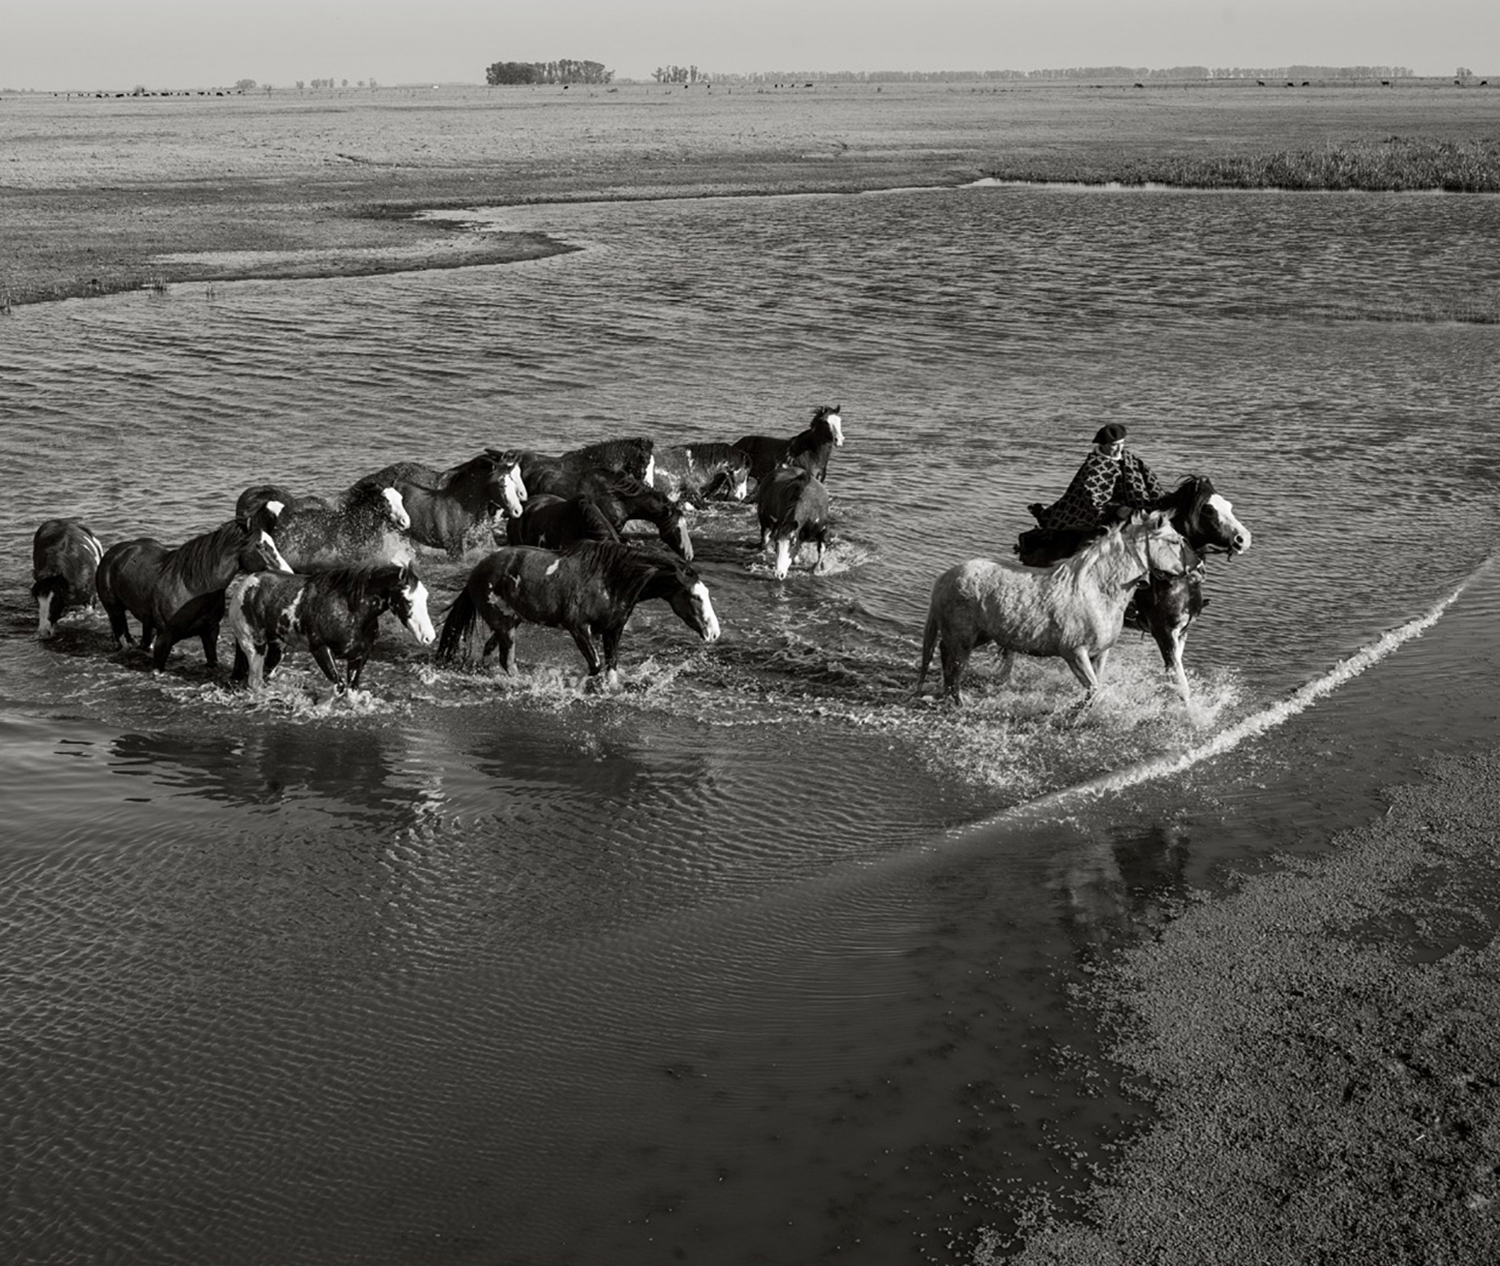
[
  {"x": 367, "y": 495},
  {"x": 195, "y": 561},
  {"x": 1188, "y": 498},
  {"x": 355, "y": 582},
  {"x": 624, "y": 568},
  {"x": 1072, "y": 570}
]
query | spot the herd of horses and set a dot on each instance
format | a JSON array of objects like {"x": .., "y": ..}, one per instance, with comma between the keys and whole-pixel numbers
[{"x": 298, "y": 570}]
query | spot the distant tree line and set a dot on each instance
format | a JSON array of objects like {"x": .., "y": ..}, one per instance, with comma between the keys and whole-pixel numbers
[
  {"x": 564, "y": 71},
  {"x": 692, "y": 74}
]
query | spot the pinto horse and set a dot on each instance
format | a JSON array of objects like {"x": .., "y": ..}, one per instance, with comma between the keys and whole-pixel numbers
[
  {"x": 1075, "y": 610},
  {"x": 792, "y": 506},
  {"x": 64, "y": 559},
  {"x": 176, "y": 593},
  {"x": 447, "y": 506},
  {"x": 335, "y": 614},
  {"x": 1166, "y": 604},
  {"x": 589, "y": 590},
  {"x": 809, "y": 449},
  {"x": 371, "y": 527},
  {"x": 561, "y": 476},
  {"x": 258, "y": 496},
  {"x": 555, "y": 523},
  {"x": 698, "y": 472}
]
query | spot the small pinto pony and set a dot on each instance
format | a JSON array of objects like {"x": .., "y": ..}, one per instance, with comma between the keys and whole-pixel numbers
[
  {"x": 335, "y": 614},
  {"x": 792, "y": 506},
  {"x": 589, "y": 590},
  {"x": 1075, "y": 610},
  {"x": 447, "y": 507},
  {"x": 810, "y": 448},
  {"x": 64, "y": 559},
  {"x": 176, "y": 593}
]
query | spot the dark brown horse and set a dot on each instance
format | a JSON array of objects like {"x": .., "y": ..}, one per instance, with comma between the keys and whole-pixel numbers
[
  {"x": 448, "y": 508},
  {"x": 1165, "y": 604},
  {"x": 64, "y": 559},
  {"x": 560, "y": 476},
  {"x": 556, "y": 523},
  {"x": 589, "y": 590},
  {"x": 176, "y": 593},
  {"x": 792, "y": 506},
  {"x": 809, "y": 449},
  {"x": 335, "y": 614}
]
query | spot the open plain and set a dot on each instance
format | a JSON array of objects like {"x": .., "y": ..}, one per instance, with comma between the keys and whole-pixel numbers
[{"x": 102, "y": 193}]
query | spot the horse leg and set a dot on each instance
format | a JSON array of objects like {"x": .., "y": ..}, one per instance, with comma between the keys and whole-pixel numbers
[
  {"x": 118, "y": 626},
  {"x": 273, "y": 653},
  {"x": 955, "y": 658},
  {"x": 583, "y": 638},
  {"x": 323, "y": 657},
  {"x": 355, "y": 666},
  {"x": 160, "y": 649},
  {"x": 1007, "y": 664},
  {"x": 1083, "y": 668}
]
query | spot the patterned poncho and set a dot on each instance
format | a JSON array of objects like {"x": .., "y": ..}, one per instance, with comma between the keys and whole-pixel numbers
[{"x": 1100, "y": 482}]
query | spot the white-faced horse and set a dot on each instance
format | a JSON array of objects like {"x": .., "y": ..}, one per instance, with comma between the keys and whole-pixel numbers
[
  {"x": 64, "y": 558},
  {"x": 335, "y": 614},
  {"x": 1075, "y": 610}
]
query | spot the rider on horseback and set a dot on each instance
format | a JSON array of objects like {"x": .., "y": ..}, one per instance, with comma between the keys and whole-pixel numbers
[{"x": 1111, "y": 475}]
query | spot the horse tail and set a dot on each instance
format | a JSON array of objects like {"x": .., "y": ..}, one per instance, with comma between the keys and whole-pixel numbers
[
  {"x": 929, "y": 640},
  {"x": 456, "y": 626}
]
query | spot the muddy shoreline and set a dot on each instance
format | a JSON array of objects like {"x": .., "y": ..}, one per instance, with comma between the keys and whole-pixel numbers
[{"x": 1322, "y": 1046}]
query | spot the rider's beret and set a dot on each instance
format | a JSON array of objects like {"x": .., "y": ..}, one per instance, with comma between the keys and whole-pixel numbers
[{"x": 1110, "y": 434}]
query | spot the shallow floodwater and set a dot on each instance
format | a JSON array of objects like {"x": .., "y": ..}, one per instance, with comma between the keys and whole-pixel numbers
[{"x": 757, "y": 959}]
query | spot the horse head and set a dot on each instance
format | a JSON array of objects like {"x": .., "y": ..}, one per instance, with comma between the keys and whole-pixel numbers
[
  {"x": 687, "y": 595},
  {"x": 1163, "y": 548},
  {"x": 1206, "y": 517},
  {"x": 673, "y": 530},
  {"x": 407, "y": 599},
  {"x": 258, "y": 552},
  {"x": 395, "y": 508},
  {"x": 506, "y": 486},
  {"x": 830, "y": 420}
]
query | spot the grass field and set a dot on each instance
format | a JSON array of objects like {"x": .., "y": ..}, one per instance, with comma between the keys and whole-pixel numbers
[{"x": 100, "y": 194}]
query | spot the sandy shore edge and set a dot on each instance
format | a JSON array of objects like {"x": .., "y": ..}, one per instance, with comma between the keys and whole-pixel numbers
[{"x": 1323, "y": 1046}]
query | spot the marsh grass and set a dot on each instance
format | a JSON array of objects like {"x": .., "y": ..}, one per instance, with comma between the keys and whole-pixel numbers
[{"x": 1396, "y": 164}]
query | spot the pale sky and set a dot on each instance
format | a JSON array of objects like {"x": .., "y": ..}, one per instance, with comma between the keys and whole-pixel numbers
[{"x": 161, "y": 44}]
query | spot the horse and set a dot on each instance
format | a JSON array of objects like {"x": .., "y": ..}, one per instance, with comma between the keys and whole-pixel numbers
[
  {"x": 810, "y": 448},
  {"x": 560, "y": 476},
  {"x": 1165, "y": 605},
  {"x": 1075, "y": 610},
  {"x": 175, "y": 593},
  {"x": 372, "y": 526},
  {"x": 64, "y": 559},
  {"x": 555, "y": 523},
  {"x": 335, "y": 614},
  {"x": 698, "y": 472},
  {"x": 590, "y": 590},
  {"x": 792, "y": 505},
  {"x": 445, "y": 506}
]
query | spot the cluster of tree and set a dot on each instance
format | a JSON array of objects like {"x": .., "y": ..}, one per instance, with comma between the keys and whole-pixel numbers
[
  {"x": 683, "y": 75},
  {"x": 564, "y": 71}
]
